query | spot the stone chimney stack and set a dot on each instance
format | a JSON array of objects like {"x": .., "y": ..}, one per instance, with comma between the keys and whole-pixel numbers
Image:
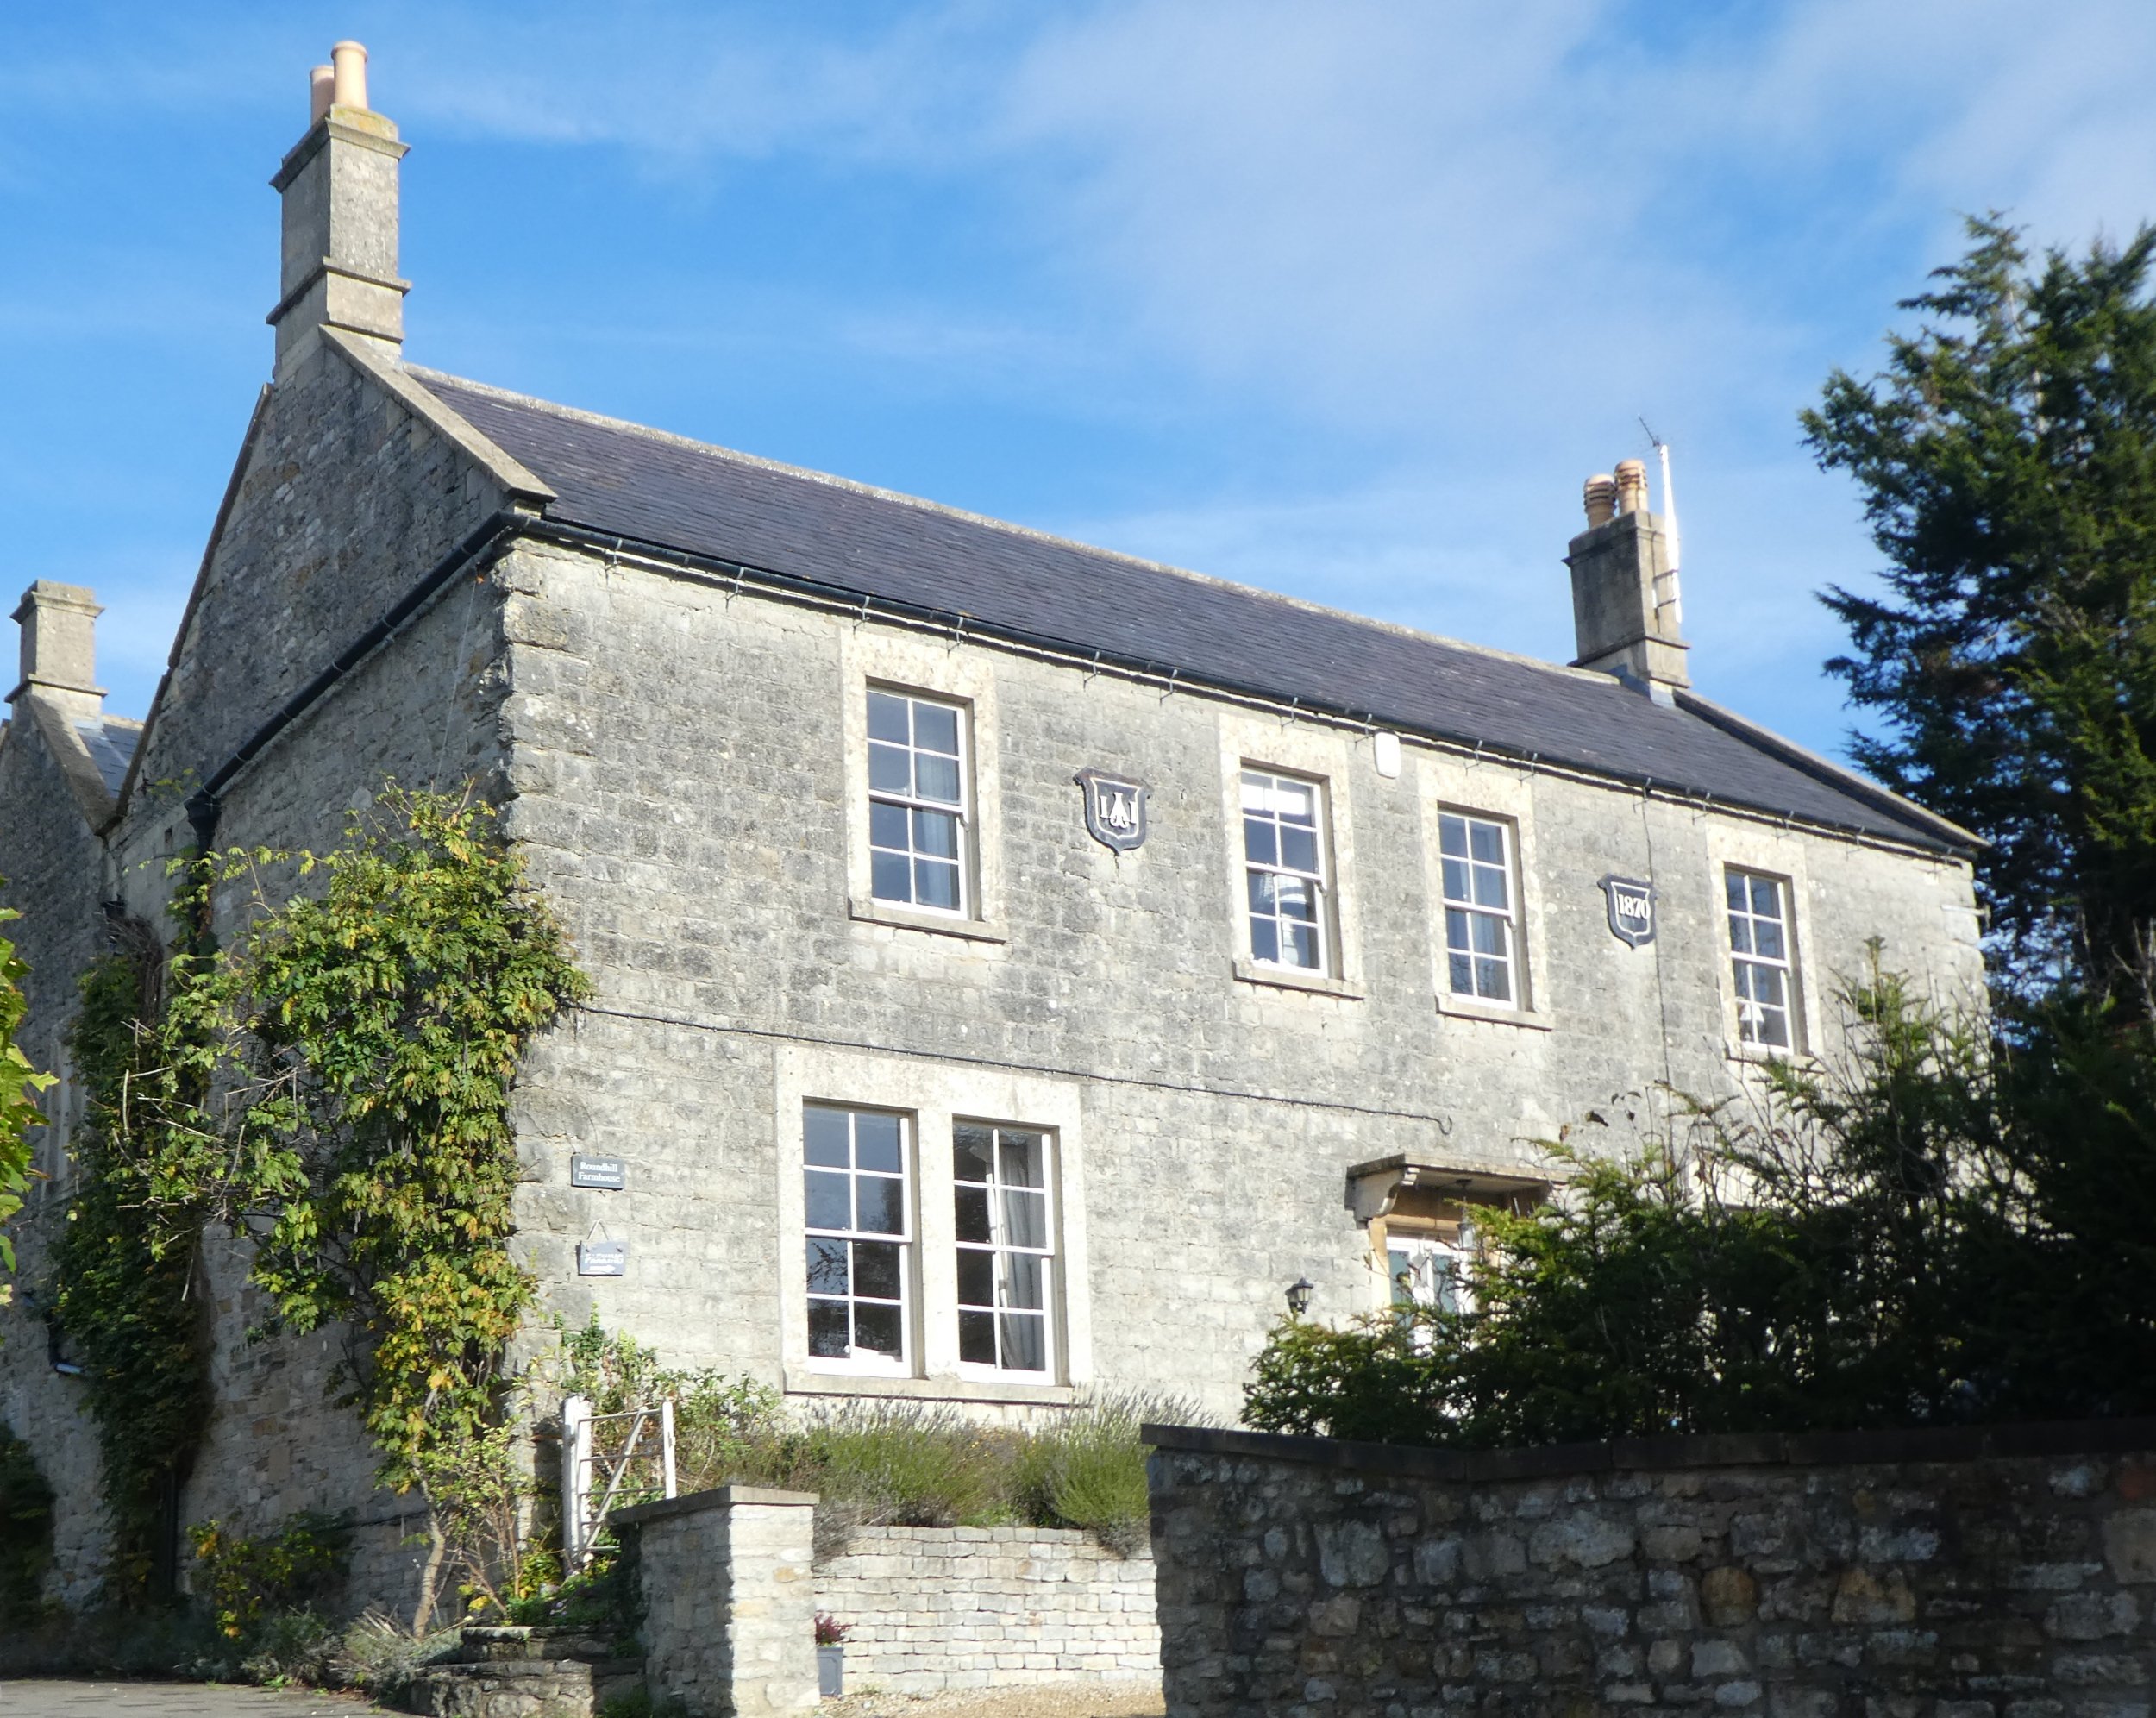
[
  {"x": 1619, "y": 565},
  {"x": 59, "y": 651},
  {"x": 340, "y": 189}
]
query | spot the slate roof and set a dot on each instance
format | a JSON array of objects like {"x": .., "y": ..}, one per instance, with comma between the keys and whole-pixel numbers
[
  {"x": 110, "y": 742},
  {"x": 623, "y": 480}
]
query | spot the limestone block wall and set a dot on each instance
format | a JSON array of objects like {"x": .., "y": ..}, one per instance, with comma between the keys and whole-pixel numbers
[
  {"x": 50, "y": 872},
  {"x": 729, "y": 1600},
  {"x": 953, "y": 1607},
  {"x": 2008, "y": 1573},
  {"x": 342, "y": 503},
  {"x": 680, "y": 760},
  {"x": 341, "y": 498}
]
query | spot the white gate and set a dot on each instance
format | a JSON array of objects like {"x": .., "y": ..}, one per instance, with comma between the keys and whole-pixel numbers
[{"x": 609, "y": 1461}]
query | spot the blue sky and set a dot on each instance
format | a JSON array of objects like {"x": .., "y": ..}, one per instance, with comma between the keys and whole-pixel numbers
[{"x": 1343, "y": 300}]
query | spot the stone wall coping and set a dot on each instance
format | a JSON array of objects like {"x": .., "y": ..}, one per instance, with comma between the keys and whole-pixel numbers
[
  {"x": 1061, "y": 1537},
  {"x": 1691, "y": 1450},
  {"x": 719, "y": 1497}
]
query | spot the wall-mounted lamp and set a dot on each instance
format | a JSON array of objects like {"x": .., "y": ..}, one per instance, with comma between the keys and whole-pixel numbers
[{"x": 1298, "y": 1293}]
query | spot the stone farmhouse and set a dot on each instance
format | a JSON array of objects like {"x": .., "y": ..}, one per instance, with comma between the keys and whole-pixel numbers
[{"x": 1017, "y": 964}]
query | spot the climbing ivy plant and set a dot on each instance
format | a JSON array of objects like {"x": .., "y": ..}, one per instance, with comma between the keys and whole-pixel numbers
[
  {"x": 334, "y": 1084},
  {"x": 19, "y": 1086},
  {"x": 125, "y": 1265}
]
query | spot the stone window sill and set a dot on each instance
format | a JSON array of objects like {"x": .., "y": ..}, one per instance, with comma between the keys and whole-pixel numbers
[
  {"x": 1290, "y": 978},
  {"x": 800, "y": 1381},
  {"x": 1758, "y": 1055},
  {"x": 1471, "y": 1008},
  {"x": 937, "y": 924}
]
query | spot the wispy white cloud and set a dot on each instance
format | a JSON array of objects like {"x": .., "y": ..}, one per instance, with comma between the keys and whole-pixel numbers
[{"x": 1451, "y": 251}]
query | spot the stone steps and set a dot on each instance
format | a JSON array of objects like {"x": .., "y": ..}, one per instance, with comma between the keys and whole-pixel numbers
[{"x": 512, "y": 1672}]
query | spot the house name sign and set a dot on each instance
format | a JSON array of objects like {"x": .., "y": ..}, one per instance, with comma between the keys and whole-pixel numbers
[{"x": 1631, "y": 910}]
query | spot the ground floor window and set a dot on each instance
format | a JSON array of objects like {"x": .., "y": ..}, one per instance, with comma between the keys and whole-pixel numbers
[
  {"x": 1427, "y": 1271},
  {"x": 859, "y": 1240},
  {"x": 894, "y": 1285},
  {"x": 1001, "y": 1188}
]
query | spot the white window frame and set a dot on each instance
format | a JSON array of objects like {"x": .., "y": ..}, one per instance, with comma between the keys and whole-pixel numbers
[
  {"x": 960, "y": 810},
  {"x": 1052, "y": 1292},
  {"x": 874, "y": 1363},
  {"x": 1318, "y": 880},
  {"x": 1785, "y": 964},
  {"x": 1511, "y": 917},
  {"x": 934, "y": 1096},
  {"x": 1428, "y": 1248},
  {"x": 890, "y": 659}
]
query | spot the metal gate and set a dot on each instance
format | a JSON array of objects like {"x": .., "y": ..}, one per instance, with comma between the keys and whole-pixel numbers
[{"x": 608, "y": 1462}]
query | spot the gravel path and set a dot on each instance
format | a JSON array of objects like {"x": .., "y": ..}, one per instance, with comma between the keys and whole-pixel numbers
[
  {"x": 38, "y": 1697},
  {"x": 57, "y": 1699},
  {"x": 1091, "y": 1698}
]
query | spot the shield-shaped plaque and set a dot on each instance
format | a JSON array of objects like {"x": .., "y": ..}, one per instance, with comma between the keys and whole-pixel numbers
[
  {"x": 1115, "y": 809},
  {"x": 1630, "y": 909}
]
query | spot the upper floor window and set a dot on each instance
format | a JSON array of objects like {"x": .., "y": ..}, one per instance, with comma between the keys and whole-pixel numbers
[
  {"x": 1284, "y": 863},
  {"x": 1762, "y": 955},
  {"x": 918, "y": 802},
  {"x": 1000, "y": 1183},
  {"x": 858, "y": 1216},
  {"x": 1482, "y": 940}
]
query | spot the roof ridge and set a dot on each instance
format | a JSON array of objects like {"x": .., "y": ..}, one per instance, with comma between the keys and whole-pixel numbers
[{"x": 922, "y": 503}]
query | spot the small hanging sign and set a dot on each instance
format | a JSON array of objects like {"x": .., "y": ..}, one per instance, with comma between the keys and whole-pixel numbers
[
  {"x": 1115, "y": 809},
  {"x": 1630, "y": 909},
  {"x": 602, "y": 1258},
  {"x": 606, "y": 1172}
]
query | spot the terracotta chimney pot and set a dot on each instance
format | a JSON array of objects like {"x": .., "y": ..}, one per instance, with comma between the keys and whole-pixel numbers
[
  {"x": 1599, "y": 492},
  {"x": 349, "y": 74},
  {"x": 321, "y": 80},
  {"x": 1632, "y": 486}
]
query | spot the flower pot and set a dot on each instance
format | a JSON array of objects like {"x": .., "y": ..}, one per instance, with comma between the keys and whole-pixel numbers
[{"x": 830, "y": 1671}]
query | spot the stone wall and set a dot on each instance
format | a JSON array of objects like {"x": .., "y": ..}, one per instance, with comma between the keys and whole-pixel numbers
[
  {"x": 2001, "y": 1573},
  {"x": 680, "y": 757},
  {"x": 678, "y": 760},
  {"x": 52, "y": 872},
  {"x": 342, "y": 501},
  {"x": 951, "y": 1608},
  {"x": 728, "y": 1601}
]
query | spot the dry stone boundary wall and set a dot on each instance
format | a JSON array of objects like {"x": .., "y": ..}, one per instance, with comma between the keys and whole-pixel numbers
[{"x": 2007, "y": 1573}]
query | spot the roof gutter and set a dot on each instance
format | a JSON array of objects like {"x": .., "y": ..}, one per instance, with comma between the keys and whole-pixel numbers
[
  {"x": 1832, "y": 774},
  {"x": 483, "y": 547}
]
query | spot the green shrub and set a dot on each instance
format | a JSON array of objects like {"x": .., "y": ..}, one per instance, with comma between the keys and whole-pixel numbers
[
  {"x": 1937, "y": 1227},
  {"x": 254, "y": 1582},
  {"x": 1086, "y": 1468},
  {"x": 876, "y": 1463},
  {"x": 601, "y": 1596},
  {"x": 907, "y": 1466}
]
